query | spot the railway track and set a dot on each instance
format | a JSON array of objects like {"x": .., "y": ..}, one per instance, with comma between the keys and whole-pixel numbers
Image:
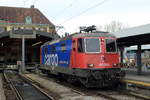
[
  {"x": 109, "y": 94},
  {"x": 112, "y": 94},
  {"x": 122, "y": 95},
  {"x": 25, "y": 89},
  {"x": 106, "y": 94},
  {"x": 74, "y": 92}
]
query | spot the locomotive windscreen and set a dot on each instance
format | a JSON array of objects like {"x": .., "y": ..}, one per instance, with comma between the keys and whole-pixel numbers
[
  {"x": 111, "y": 45},
  {"x": 92, "y": 45}
]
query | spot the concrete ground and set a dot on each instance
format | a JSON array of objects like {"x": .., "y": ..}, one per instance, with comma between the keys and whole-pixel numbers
[{"x": 2, "y": 96}]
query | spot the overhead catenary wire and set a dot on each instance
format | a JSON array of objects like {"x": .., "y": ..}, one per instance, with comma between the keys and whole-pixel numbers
[
  {"x": 86, "y": 10},
  {"x": 24, "y": 2},
  {"x": 65, "y": 8},
  {"x": 34, "y": 2}
]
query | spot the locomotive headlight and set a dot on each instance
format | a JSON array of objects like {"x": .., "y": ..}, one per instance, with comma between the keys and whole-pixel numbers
[
  {"x": 115, "y": 65},
  {"x": 90, "y": 65}
]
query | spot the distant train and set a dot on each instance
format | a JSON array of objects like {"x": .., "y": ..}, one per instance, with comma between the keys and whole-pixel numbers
[{"x": 90, "y": 58}]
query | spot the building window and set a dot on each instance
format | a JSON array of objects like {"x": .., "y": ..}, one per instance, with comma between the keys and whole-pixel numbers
[
  {"x": 28, "y": 28},
  {"x": 2, "y": 29},
  {"x": 28, "y": 20},
  {"x": 15, "y": 28}
]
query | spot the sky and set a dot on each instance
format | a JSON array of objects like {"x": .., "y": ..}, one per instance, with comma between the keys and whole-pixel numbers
[{"x": 74, "y": 13}]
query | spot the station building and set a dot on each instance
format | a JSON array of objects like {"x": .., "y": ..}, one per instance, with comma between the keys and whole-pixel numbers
[{"x": 17, "y": 22}]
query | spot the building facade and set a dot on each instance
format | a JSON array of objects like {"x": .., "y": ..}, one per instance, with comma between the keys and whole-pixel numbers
[{"x": 15, "y": 22}]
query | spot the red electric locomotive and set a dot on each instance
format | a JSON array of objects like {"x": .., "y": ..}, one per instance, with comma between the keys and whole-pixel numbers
[{"x": 92, "y": 59}]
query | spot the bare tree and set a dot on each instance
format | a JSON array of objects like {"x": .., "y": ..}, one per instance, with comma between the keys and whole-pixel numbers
[{"x": 114, "y": 26}]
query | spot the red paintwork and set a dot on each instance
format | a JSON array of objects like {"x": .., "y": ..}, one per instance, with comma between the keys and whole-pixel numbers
[{"x": 100, "y": 60}]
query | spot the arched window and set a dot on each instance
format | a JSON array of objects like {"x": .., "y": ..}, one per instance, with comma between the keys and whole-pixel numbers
[{"x": 28, "y": 20}]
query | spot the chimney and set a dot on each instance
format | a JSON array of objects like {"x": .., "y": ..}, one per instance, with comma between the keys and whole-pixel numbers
[{"x": 32, "y": 6}]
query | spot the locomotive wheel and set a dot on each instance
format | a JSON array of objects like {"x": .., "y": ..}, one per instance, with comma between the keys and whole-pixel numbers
[
  {"x": 85, "y": 82},
  {"x": 122, "y": 85},
  {"x": 72, "y": 79},
  {"x": 90, "y": 82}
]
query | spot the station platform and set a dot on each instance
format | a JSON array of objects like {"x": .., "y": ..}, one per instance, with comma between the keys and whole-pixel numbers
[
  {"x": 2, "y": 95},
  {"x": 133, "y": 78}
]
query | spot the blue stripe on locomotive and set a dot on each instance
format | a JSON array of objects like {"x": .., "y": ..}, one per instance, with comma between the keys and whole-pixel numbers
[{"x": 58, "y": 58}]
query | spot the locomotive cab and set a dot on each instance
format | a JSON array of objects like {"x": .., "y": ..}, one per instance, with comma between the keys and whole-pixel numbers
[{"x": 95, "y": 52}]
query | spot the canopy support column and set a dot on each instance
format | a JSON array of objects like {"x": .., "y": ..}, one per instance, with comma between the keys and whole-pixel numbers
[
  {"x": 139, "y": 62},
  {"x": 121, "y": 54}
]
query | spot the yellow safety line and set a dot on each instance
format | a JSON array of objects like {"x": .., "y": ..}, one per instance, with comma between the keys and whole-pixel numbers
[{"x": 147, "y": 84}]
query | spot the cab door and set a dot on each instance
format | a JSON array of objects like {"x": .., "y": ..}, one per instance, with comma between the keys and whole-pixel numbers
[
  {"x": 111, "y": 53},
  {"x": 78, "y": 53},
  {"x": 73, "y": 53}
]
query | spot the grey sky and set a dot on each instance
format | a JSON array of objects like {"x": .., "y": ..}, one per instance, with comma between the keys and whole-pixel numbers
[{"x": 131, "y": 12}]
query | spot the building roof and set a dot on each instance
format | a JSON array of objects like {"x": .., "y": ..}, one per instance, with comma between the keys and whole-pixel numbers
[{"x": 18, "y": 15}]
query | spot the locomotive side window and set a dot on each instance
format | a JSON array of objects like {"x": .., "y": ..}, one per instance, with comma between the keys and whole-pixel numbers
[
  {"x": 92, "y": 45},
  {"x": 63, "y": 47},
  {"x": 111, "y": 45},
  {"x": 80, "y": 45},
  {"x": 53, "y": 48},
  {"x": 74, "y": 45},
  {"x": 45, "y": 50}
]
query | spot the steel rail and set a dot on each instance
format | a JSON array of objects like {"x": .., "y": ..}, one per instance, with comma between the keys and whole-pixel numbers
[
  {"x": 106, "y": 96},
  {"x": 13, "y": 88},
  {"x": 134, "y": 94},
  {"x": 32, "y": 82}
]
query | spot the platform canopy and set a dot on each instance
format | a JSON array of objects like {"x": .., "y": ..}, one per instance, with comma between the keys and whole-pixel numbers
[
  {"x": 28, "y": 32},
  {"x": 134, "y": 36},
  {"x": 139, "y": 35},
  {"x": 10, "y": 46}
]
